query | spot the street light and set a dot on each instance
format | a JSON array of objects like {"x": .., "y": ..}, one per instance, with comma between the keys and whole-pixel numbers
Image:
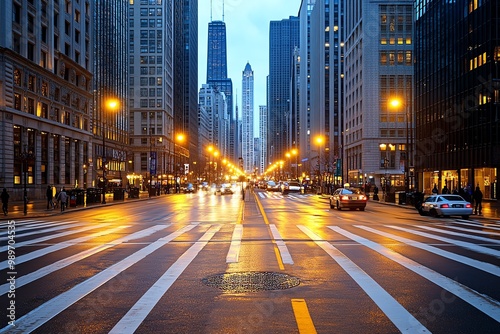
[
  {"x": 396, "y": 104},
  {"x": 295, "y": 152},
  {"x": 25, "y": 158},
  {"x": 110, "y": 104},
  {"x": 319, "y": 140},
  {"x": 177, "y": 138}
]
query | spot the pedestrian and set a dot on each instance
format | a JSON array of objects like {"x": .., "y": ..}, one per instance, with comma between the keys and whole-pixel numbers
[
  {"x": 445, "y": 190},
  {"x": 5, "y": 201},
  {"x": 50, "y": 196},
  {"x": 63, "y": 197},
  {"x": 435, "y": 189},
  {"x": 478, "y": 199}
]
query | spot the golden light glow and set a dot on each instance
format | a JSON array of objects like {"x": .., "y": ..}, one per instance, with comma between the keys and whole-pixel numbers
[
  {"x": 180, "y": 137},
  {"x": 112, "y": 103},
  {"x": 396, "y": 103},
  {"x": 319, "y": 140}
]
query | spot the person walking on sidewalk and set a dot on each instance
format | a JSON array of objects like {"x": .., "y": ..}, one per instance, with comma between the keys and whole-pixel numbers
[
  {"x": 63, "y": 197},
  {"x": 5, "y": 201},
  {"x": 50, "y": 196},
  {"x": 478, "y": 198}
]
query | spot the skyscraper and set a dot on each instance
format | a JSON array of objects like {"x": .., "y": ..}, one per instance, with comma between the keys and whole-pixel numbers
[
  {"x": 283, "y": 39},
  {"x": 247, "y": 136},
  {"x": 111, "y": 60},
  {"x": 217, "y": 70},
  {"x": 186, "y": 75},
  {"x": 457, "y": 94},
  {"x": 151, "y": 86}
]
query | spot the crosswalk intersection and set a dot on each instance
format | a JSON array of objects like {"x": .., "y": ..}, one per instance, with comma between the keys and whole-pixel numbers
[{"x": 465, "y": 243}]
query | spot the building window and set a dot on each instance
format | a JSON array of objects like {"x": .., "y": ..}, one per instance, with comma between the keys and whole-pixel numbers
[
  {"x": 31, "y": 106},
  {"x": 31, "y": 51},
  {"x": 17, "y": 101}
]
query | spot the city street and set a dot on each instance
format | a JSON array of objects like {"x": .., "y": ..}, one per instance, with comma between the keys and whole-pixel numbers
[{"x": 271, "y": 263}]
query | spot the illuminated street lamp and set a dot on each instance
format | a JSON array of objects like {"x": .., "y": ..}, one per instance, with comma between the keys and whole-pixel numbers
[
  {"x": 397, "y": 104},
  {"x": 179, "y": 138},
  {"x": 320, "y": 140},
  {"x": 110, "y": 104},
  {"x": 295, "y": 153}
]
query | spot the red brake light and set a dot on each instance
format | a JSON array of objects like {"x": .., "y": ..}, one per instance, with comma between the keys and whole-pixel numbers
[
  {"x": 444, "y": 205},
  {"x": 468, "y": 205}
]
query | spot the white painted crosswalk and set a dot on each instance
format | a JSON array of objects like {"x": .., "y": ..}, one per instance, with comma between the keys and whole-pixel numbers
[{"x": 480, "y": 246}]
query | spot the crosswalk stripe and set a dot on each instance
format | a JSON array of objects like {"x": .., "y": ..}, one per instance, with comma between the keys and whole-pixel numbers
[
  {"x": 466, "y": 245},
  {"x": 23, "y": 280},
  {"x": 486, "y": 267},
  {"x": 136, "y": 315},
  {"x": 463, "y": 229},
  {"x": 399, "y": 316},
  {"x": 470, "y": 236},
  {"x": 484, "y": 303},
  {"x": 481, "y": 225},
  {"x": 234, "y": 248},
  {"x": 286, "y": 257},
  {"x": 53, "y": 236},
  {"x": 39, "y": 316},
  {"x": 20, "y": 230},
  {"x": 44, "y": 251},
  {"x": 43, "y": 231}
]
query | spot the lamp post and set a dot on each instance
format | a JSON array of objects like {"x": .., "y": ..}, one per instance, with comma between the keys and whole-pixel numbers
[
  {"x": 295, "y": 153},
  {"x": 26, "y": 157},
  {"x": 177, "y": 138},
  {"x": 319, "y": 141},
  {"x": 109, "y": 104},
  {"x": 398, "y": 103}
]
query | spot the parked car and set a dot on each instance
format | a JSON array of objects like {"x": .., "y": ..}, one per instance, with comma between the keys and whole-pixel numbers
[
  {"x": 446, "y": 205},
  {"x": 350, "y": 198},
  {"x": 273, "y": 186},
  {"x": 291, "y": 186}
]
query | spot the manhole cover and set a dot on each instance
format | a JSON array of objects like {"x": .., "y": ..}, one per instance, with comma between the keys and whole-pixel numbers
[{"x": 251, "y": 281}]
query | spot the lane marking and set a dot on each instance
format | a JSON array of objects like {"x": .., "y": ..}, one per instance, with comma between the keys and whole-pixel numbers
[
  {"x": 463, "y": 244},
  {"x": 302, "y": 317},
  {"x": 136, "y": 315},
  {"x": 54, "y": 236},
  {"x": 26, "y": 279},
  {"x": 396, "y": 313},
  {"x": 484, "y": 266},
  {"x": 482, "y": 302},
  {"x": 43, "y": 313},
  {"x": 64, "y": 244},
  {"x": 266, "y": 221},
  {"x": 234, "y": 249},
  {"x": 285, "y": 254}
]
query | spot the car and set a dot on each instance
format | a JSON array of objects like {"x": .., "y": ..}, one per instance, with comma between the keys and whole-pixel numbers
[
  {"x": 189, "y": 188},
  {"x": 291, "y": 186},
  {"x": 224, "y": 189},
  {"x": 446, "y": 205},
  {"x": 350, "y": 198},
  {"x": 273, "y": 186}
]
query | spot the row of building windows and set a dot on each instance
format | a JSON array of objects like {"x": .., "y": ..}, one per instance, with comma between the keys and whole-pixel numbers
[
  {"x": 391, "y": 58},
  {"x": 400, "y": 40}
]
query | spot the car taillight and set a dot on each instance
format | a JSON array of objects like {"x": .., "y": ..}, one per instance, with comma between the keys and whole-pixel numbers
[
  {"x": 468, "y": 205},
  {"x": 362, "y": 197},
  {"x": 345, "y": 198},
  {"x": 445, "y": 206}
]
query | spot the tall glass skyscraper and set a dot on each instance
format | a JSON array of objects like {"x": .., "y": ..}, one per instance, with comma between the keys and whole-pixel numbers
[
  {"x": 283, "y": 39},
  {"x": 247, "y": 143},
  {"x": 217, "y": 69},
  {"x": 457, "y": 89}
]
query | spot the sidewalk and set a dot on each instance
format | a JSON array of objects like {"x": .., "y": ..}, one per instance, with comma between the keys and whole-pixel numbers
[{"x": 38, "y": 208}]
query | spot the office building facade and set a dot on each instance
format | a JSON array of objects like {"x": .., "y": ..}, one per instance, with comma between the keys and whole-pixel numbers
[
  {"x": 46, "y": 114},
  {"x": 247, "y": 117},
  {"x": 457, "y": 91}
]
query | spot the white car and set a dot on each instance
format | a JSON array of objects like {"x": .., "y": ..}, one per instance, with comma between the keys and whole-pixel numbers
[
  {"x": 291, "y": 186},
  {"x": 446, "y": 205}
]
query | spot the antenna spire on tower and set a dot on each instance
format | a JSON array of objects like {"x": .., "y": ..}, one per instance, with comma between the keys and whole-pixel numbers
[
  {"x": 222, "y": 10},
  {"x": 210, "y": 10}
]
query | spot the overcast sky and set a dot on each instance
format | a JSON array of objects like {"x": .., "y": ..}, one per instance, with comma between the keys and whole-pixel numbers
[{"x": 247, "y": 29}]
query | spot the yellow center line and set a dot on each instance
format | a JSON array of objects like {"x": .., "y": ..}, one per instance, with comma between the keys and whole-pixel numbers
[
  {"x": 302, "y": 316},
  {"x": 264, "y": 216}
]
